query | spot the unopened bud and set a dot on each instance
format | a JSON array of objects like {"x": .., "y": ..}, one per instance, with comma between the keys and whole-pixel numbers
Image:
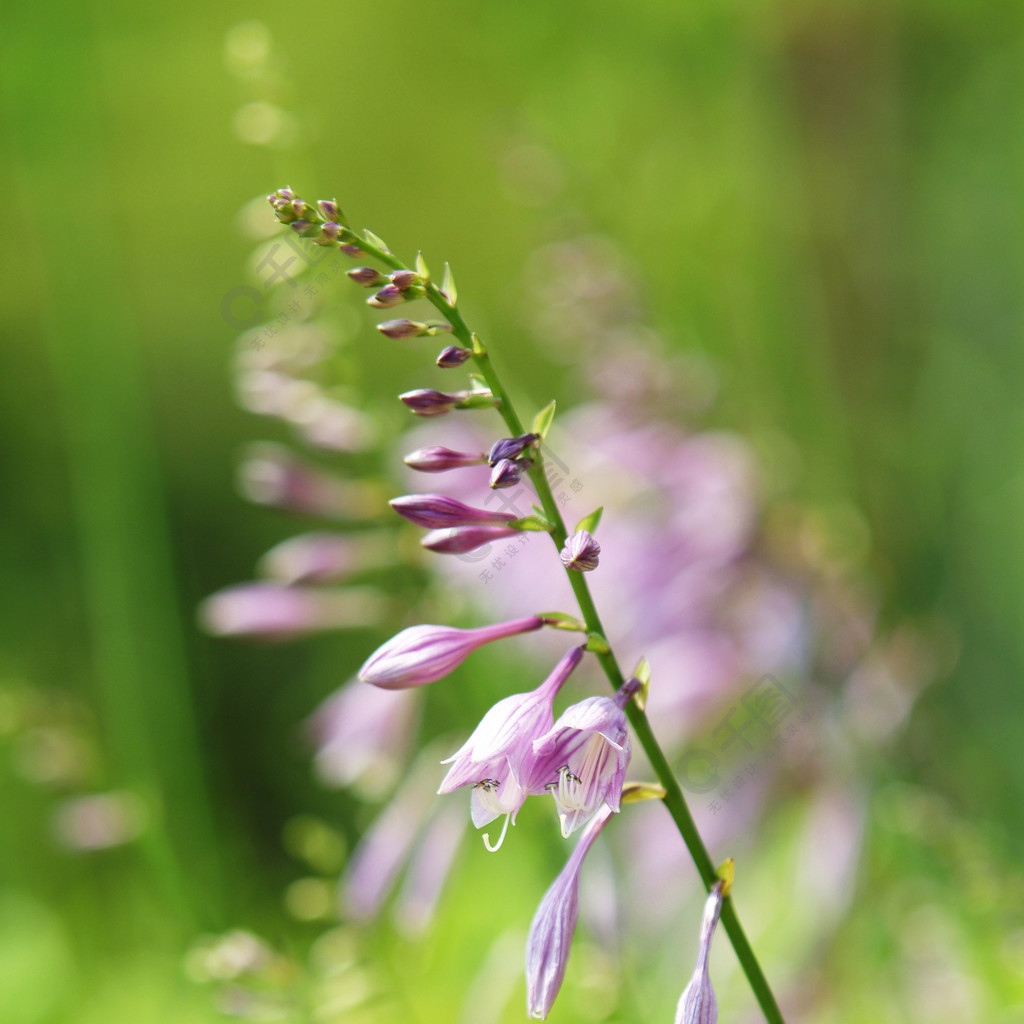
[
  {"x": 331, "y": 230},
  {"x": 510, "y": 448},
  {"x": 366, "y": 276},
  {"x": 390, "y": 295},
  {"x": 399, "y": 329},
  {"x": 581, "y": 552},
  {"x": 427, "y": 402},
  {"x": 452, "y": 355},
  {"x": 329, "y": 209},
  {"x": 403, "y": 279},
  {"x": 506, "y": 473},
  {"x": 437, "y": 459}
]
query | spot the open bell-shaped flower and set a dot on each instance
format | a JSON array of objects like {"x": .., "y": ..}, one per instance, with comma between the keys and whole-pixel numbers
[
  {"x": 582, "y": 759},
  {"x": 497, "y": 758},
  {"x": 423, "y": 654}
]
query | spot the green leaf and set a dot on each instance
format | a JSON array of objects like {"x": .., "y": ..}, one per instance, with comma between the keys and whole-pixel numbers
[
  {"x": 589, "y": 523},
  {"x": 421, "y": 268},
  {"x": 478, "y": 400},
  {"x": 560, "y": 620},
  {"x": 538, "y": 523},
  {"x": 377, "y": 241},
  {"x": 542, "y": 421},
  {"x": 451, "y": 293},
  {"x": 597, "y": 644}
]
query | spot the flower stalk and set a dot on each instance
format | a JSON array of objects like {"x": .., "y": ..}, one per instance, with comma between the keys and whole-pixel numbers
[{"x": 444, "y": 300}]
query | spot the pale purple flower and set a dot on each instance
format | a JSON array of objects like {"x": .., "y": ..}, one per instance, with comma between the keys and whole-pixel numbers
[
  {"x": 438, "y": 511},
  {"x": 581, "y": 761},
  {"x": 497, "y": 758},
  {"x": 273, "y": 475},
  {"x": 697, "y": 1004},
  {"x": 436, "y": 459},
  {"x": 314, "y": 558},
  {"x": 275, "y": 612},
  {"x": 459, "y": 539},
  {"x": 550, "y": 940},
  {"x": 423, "y": 654},
  {"x": 581, "y": 552}
]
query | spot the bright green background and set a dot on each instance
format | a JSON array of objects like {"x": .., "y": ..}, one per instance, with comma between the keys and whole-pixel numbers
[{"x": 824, "y": 197}]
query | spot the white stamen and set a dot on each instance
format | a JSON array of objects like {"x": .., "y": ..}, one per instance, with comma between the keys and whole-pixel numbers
[{"x": 501, "y": 838}]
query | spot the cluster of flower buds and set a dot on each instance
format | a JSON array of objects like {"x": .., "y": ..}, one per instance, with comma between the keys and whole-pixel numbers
[{"x": 508, "y": 460}]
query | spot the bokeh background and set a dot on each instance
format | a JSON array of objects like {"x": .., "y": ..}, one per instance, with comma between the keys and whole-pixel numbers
[{"x": 818, "y": 206}]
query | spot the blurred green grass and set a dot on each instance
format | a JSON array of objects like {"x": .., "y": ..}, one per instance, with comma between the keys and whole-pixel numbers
[{"x": 825, "y": 198}]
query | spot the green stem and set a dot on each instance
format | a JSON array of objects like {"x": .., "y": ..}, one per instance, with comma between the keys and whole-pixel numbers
[{"x": 674, "y": 800}]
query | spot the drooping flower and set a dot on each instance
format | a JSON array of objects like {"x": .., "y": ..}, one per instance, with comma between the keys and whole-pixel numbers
[
  {"x": 581, "y": 761},
  {"x": 581, "y": 552},
  {"x": 438, "y": 511},
  {"x": 423, "y": 654},
  {"x": 497, "y": 758},
  {"x": 510, "y": 447},
  {"x": 697, "y": 1004},
  {"x": 550, "y": 940}
]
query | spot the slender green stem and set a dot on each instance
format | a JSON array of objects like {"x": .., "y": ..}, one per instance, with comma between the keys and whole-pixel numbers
[{"x": 674, "y": 800}]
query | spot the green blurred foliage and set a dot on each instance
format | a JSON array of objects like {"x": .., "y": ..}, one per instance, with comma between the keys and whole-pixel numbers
[{"x": 825, "y": 198}]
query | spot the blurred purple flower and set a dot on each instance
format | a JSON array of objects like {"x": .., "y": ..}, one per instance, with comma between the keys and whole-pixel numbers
[
  {"x": 437, "y": 459},
  {"x": 459, "y": 539}
]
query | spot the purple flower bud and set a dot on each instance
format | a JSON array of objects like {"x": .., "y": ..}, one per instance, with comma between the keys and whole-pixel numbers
[
  {"x": 581, "y": 552},
  {"x": 300, "y": 227},
  {"x": 423, "y": 654},
  {"x": 427, "y": 402},
  {"x": 458, "y": 539},
  {"x": 329, "y": 209},
  {"x": 510, "y": 447},
  {"x": 697, "y": 1004},
  {"x": 403, "y": 279},
  {"x": 283, "y": 193},
  {"x": 331, "y": 230},
  {"x": 352, "y": 250},
  {"x": 550, "y": 940},
  {"x": 506, "y": 473},
  {"x": 453, "y": 355},
  {"x": 582, "y": 760},
  {"x": 366, "y": 276},
  {"x": 399, "y": 329},
  {"x": 390, "y": 295},
  {"x": 438, "y": 511},
  {"x": 436, "y": 459},
  {"x": 496, "y": 760}
]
